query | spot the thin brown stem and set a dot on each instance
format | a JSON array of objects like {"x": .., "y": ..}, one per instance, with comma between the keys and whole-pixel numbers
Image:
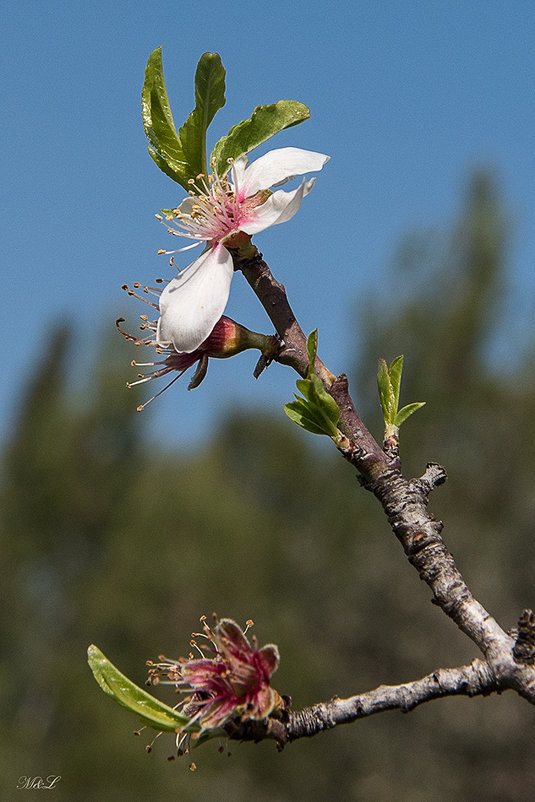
[{"x": 369, "y": 457}]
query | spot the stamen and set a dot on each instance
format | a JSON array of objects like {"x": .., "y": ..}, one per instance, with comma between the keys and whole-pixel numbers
[
  {"x": 141, "y": 381},
  {"x": 148, "y": 748},
  {"x": 142, "y": 406},
  {"x": 185, "y": 248},
  {"x": 156, "y": 374},
  {"x": 196, "y": 646},
  {"x": 140, "y": 297},
  {"x": 212, "y": 214},
  {"x": 131, "y": 336},
  {"x": 147, "y": 289}
]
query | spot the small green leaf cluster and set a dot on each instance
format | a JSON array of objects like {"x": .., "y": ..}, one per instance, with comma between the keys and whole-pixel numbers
[
  {"x": 389, "y": 384},
  {"x": 317, "y": 411},
  {"x": 182, "y": 154}
]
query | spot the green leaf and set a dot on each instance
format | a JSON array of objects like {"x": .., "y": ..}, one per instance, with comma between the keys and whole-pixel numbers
[
  {"x": 386, "y": 395},
  {"x": 305, "y": 387},
  {"x": 264, "y": 122},
  {"x": 165, "y": 146},
  {"x": 321, "y": 397},
  {"x": 153, "y": 713},
  {"x": 312, "y": 349},
  {"x": 317, "y": 411},
  {"x": 299, "y": 412},
  {"x": 407, "y": 410},
  {"x": 209, "y": 98},
  {"x": 395, "y": 371},
  {"x": 389, "y": 384}
]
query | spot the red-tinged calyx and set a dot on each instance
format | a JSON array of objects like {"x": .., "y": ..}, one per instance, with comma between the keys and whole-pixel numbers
[
  {"x": 229, "y": 338},
  {"x": 226, "y": 339}
]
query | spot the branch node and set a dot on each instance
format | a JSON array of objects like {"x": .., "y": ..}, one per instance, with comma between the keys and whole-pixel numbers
[
  {"x": 433, "y": 476},
  {"x": 524, "y": 648}
]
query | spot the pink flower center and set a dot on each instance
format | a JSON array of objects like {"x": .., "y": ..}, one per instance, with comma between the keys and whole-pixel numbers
[{"x": 215, "y": 210}]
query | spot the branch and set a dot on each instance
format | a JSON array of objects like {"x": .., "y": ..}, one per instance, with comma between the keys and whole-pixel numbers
[
  {"x": 524, "y": 648},
  {"x": 404, "y": 501},
  {"x": 367, "y": 455},
  {"x": 471, "y": 680}
]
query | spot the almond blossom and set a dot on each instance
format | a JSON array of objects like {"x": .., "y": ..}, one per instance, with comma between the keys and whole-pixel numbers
[{"x": 223, "y": 212}]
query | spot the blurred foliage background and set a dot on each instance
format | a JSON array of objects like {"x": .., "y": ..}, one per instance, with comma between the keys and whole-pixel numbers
[{"x": 107, "y": 539}]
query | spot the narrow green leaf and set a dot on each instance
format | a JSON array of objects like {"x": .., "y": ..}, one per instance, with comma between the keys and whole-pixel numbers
[
  {"x": 165, "y": 146},
  {"x": 264, "y": 122},
  {"x": 317, "y": 411},
  {"x": 407, "y": 410},
  {"x": 165, "y": 167},
  {"x": 305, "y": 387},
  {"x": 395, "y": 371},
  {"x": 386, "y": 395},
  {"x": 322, "y": 398},
  {"x": 299, "y": 412},
  {"x": 209, "y": 98},
  {"x": 154, "y": 713},
  {"x": 312, "y": 349}
]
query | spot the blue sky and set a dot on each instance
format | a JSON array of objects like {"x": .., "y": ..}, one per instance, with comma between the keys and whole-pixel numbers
[{"x": 406, "y": 97}]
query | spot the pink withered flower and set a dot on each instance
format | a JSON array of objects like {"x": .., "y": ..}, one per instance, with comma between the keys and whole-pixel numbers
[
  {"x": 226, "y": 339},
  {"x": 231, "y": 678}
]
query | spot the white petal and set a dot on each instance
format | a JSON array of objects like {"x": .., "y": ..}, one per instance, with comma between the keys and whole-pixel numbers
[
  {"x": 278, "y": 166},
  {"x": 238, "y": 170},
  {"x": 279, "y": 207},
  {"x": 186, "y": 206},
  {"x": 192, "y": 303}
]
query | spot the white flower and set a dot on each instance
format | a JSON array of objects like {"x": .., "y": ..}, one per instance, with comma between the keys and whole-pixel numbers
[{"x": 192, "y": 303}]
